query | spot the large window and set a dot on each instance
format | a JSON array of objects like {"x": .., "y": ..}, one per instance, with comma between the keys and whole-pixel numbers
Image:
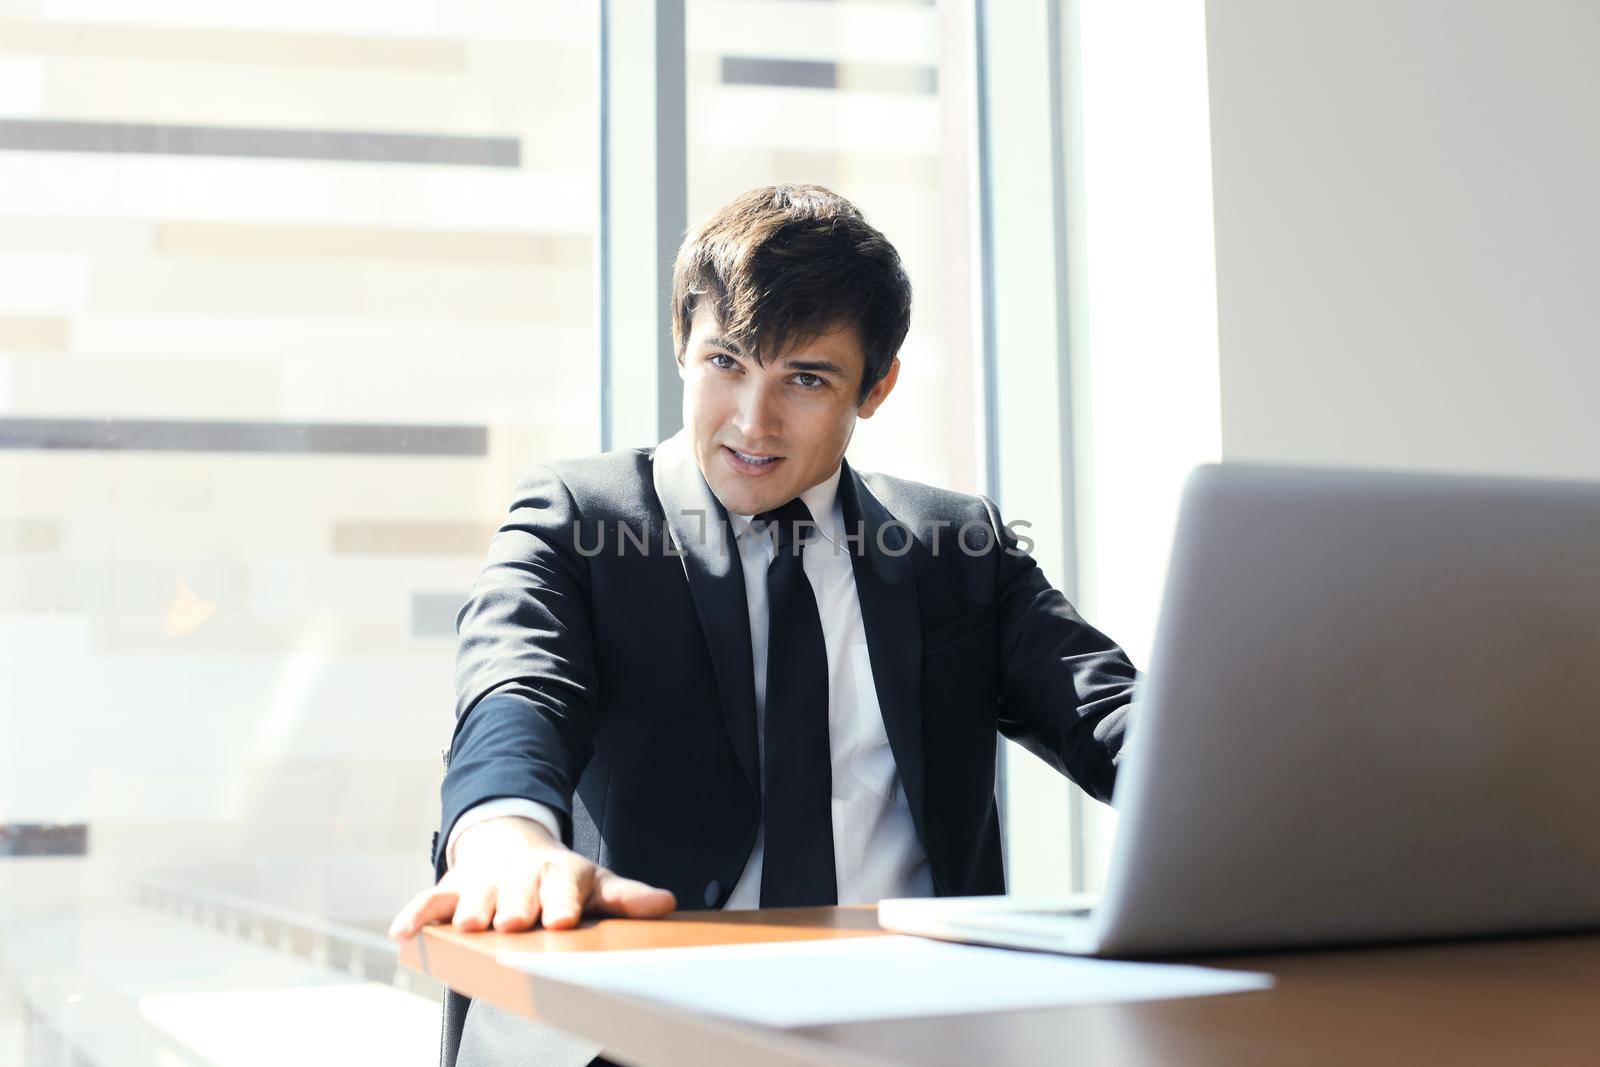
[
  {"x": 288, "y": 295},
  {"x": 291, "y": 293},
  {"x": 872, "y": 101}
]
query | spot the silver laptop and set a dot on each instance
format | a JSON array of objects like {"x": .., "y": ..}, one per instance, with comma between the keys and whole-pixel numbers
[{"x": 1372, "y": 713}]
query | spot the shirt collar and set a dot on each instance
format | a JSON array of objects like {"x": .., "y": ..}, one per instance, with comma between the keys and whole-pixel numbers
[{"x": 822, "y": 500}]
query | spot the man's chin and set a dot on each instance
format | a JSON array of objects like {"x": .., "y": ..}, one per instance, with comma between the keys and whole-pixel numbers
[
  {"x": 738, "y": 503},
  {"x": 737, "y": 499},
  {"x": 743, "y": 495}
]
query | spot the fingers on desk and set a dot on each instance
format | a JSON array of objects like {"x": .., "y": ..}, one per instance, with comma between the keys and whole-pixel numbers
[
  {"x": 616, "y": 895},
  {"x": 559, "y": 891},
  {"x": 518, "y": 900},
  {"x": 432, "y": 905},
  {"x": 567, "y": 883},
  {"x": 475, "y": 905}
]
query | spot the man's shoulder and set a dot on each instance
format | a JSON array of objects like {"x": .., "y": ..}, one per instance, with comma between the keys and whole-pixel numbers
[
  {"x": 622, "y": 482},
  {"x": 915, "y": 502},
  {"x": 626, "y": 465},
  {"x": 608, "y": 486},
  {"x": 618, "y": 482}
]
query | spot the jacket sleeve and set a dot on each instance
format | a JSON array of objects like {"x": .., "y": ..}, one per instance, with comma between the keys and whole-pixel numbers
[
  {"x": 525, "y": 674},
  {"x": 1065, "y": 687}
]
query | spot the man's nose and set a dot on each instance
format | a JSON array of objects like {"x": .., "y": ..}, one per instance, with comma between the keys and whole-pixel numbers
[{"x": 758, "y": 414}]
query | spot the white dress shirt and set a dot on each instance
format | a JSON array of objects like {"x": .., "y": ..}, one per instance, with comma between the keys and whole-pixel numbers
[{"x": 876, "y": 853}]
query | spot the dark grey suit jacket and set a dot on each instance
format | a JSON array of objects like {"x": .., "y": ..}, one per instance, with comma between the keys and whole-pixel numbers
[{"x": 613, "y": 683}]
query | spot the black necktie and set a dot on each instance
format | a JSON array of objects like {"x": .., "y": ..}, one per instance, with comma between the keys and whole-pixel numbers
[{"x": 798, "y": 773}]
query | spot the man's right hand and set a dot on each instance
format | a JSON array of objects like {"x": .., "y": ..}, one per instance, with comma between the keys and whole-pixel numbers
[{"x": 511, "y": 874}]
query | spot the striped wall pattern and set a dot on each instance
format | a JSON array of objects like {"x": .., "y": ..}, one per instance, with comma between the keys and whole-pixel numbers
[{"x": 286, "y": 303}]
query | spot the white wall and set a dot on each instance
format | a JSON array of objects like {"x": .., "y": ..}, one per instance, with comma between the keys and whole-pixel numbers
[
  {"x": 1399, "y": 268},
  {"x": 1407, "y": 228}
]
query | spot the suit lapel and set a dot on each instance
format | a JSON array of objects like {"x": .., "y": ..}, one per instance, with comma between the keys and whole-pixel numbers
[
  {"x": 699, "y": 525},
  {"x": 887, "y": 589},
  {"x": 885, "y": 586}
]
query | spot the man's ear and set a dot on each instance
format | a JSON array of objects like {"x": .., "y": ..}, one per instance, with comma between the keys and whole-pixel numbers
[
  {"x": 879, "y": 392},
  {"x": 683, "y": 371}
]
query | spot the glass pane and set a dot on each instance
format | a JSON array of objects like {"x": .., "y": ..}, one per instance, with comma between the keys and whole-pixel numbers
[
  {"x": 288, "y": 296},
  {"x": 870, "y": 100}
]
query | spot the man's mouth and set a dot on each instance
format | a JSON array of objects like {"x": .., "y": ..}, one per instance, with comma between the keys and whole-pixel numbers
[{"x": 750, "y": 462}]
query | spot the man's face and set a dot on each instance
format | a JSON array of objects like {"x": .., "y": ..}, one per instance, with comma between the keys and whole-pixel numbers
[{"x": 765, "y": 434}]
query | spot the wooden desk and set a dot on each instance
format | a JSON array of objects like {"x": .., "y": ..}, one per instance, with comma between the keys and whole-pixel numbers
[{"x": 1530, "y": 1001}]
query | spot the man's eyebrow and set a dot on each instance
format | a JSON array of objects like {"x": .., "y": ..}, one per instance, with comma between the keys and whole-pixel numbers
[
  {"x": 723, "y": 342},
  {"x": 815, "y": 366}
]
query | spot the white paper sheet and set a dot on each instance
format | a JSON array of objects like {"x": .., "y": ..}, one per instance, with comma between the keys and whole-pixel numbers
[{"x": 803, "y": 983}]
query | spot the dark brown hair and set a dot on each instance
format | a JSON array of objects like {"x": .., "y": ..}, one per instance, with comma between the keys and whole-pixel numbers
[{"x": 784, "y": 265}]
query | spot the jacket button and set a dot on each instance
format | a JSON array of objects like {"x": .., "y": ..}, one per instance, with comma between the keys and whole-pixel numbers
[{"x": 713, "y": 891}]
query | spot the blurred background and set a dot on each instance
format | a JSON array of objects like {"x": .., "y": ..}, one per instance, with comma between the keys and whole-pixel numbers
[{"x": 291, "y": 292}]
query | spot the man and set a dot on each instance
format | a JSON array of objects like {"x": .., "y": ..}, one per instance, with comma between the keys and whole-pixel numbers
[{"x": 732, "y": 671}]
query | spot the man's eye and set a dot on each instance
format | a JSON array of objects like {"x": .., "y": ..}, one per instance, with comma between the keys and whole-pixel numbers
[
  {"x": 723, "y": 361},
  {"x": 808, "y": 381}
]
